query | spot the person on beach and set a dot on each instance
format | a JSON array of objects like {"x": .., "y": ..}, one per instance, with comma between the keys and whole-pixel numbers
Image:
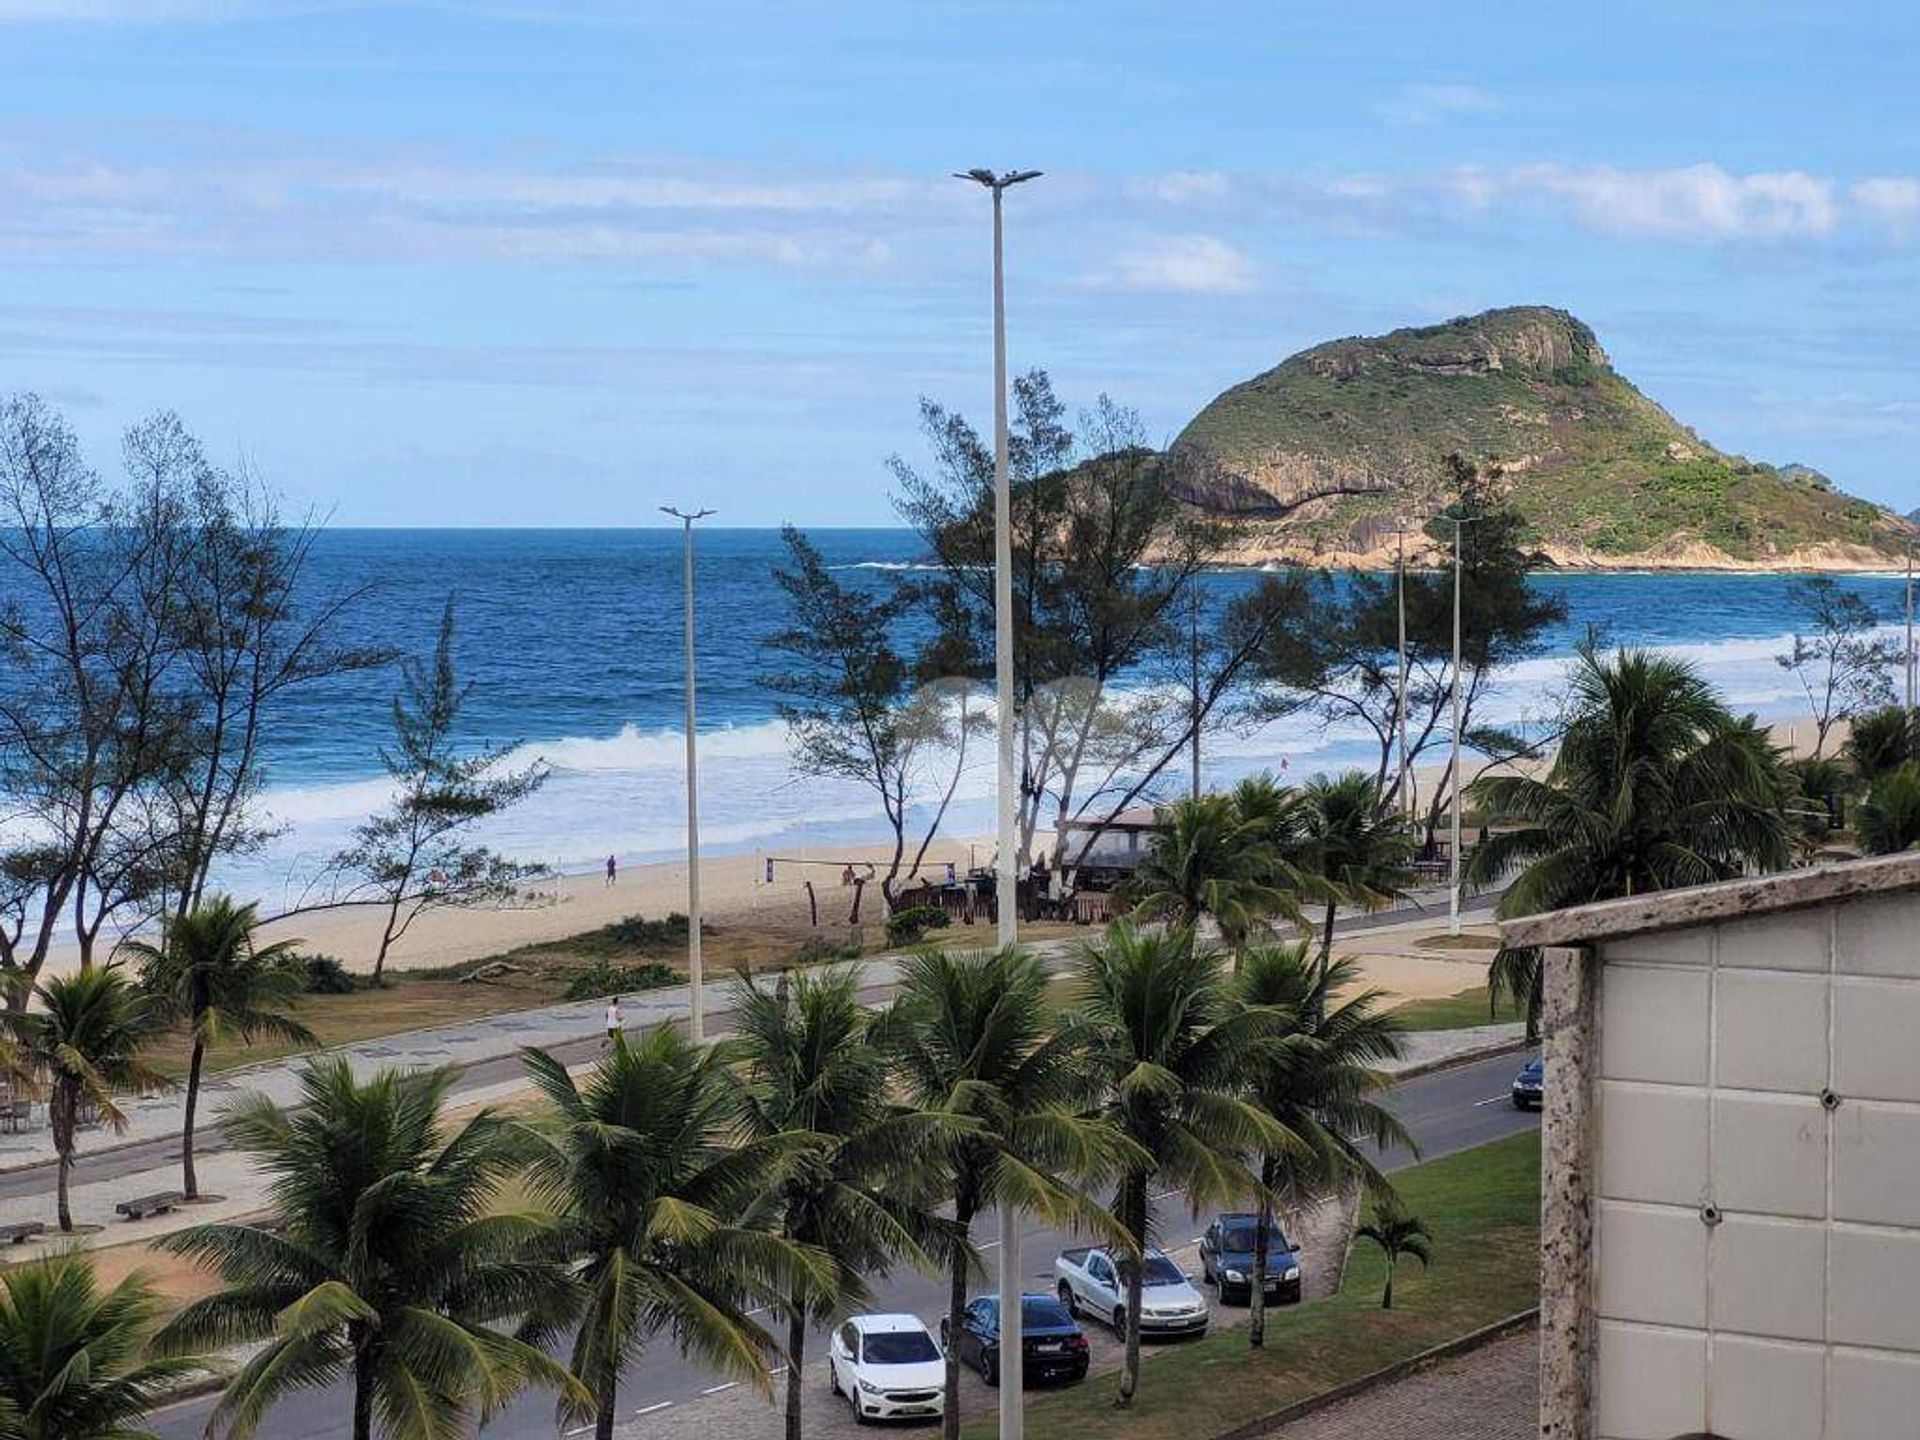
[
  {"x": 616, "y": 1021},
  {"x": 613, "y": 870}
]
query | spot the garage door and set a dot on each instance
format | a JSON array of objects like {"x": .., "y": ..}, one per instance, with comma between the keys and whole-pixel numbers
[{"x": 1757, "y": 1236}]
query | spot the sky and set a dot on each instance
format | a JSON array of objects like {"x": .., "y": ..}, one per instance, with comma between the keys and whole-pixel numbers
[{"x": 558, "y": 262}]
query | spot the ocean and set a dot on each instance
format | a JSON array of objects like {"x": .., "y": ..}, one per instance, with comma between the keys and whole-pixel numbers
[{"x": 571, "y": 641}]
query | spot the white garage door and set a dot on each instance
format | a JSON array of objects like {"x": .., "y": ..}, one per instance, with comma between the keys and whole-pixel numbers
[{"x": 1757, "y": 1241}]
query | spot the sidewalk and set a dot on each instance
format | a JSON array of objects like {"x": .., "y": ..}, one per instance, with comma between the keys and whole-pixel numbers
[{"x": 475, "y": 1043}]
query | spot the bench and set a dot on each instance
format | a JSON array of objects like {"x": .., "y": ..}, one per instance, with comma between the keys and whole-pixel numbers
[
  {"x": 158, "y": 1203},
  {"x": 20, "y": 1231}
]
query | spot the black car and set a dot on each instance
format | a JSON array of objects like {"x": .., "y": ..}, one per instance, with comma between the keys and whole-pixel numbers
[
  {"x": 1226, "y": 1260},
  {"x": 1054, "y": 1347},
  {"x": 1530, "y": 1085}
]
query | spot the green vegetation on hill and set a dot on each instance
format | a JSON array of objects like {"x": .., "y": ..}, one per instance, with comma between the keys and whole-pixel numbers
[{"x": 1353, "y": 431}]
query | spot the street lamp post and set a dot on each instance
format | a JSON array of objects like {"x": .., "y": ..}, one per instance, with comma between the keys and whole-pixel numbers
[
  {"x": 1453, "y": 887},
  {"x": 1403, "y": 790},
  {"x": 1006, "y": 878},
  {"x": 696, "y": 975}
]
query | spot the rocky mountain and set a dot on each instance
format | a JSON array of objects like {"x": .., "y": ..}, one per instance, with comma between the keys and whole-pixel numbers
[{"x": 1336, "y": 448}]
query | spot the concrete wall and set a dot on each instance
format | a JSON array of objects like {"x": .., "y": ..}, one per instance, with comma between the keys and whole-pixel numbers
[{"x": 1739, "y": 1135}]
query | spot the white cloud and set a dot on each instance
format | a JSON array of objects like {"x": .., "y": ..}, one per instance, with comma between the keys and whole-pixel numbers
[
  {"x": 1892, "y": 200},
  {"x": 1181, "y": 187},
  {"x": 1181, "y": 265},
  {"x": 1435, "y": 104},
  {"x": 1695, "y": 202}
]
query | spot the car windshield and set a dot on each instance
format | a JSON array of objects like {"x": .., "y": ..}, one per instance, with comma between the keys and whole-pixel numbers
[
  {"x": 1043, "y": 1312},
  {"x": 1239, "y": 1238},
  {"x": 1159, "y": 1271},
  {"x": 901, "y": 1347}
]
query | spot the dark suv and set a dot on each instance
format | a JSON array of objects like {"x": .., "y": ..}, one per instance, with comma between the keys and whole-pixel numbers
[
  {"x": 1226, "y": 1260},
  {"x": 1051, "y": 1342}
]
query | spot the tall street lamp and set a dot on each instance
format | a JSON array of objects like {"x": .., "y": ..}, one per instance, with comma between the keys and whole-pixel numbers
[
  {"x": 1006, "y": 878},
  {"x": 1453, "y": 887},
  {"x": 696, "y": 975}
]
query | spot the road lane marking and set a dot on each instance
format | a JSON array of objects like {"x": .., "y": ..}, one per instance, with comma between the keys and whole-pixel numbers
[
  {"x": 776, "y": 1374},
  {"x": 1493, "y": 1100},
  {"x": 716, "y": 1389},
  {"x": 657, "y": 1405}
]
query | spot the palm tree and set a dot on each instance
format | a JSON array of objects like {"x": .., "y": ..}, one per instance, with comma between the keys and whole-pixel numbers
[
  {"x": 208, "y": 971},
  {"x": 1881, "y": 741},
  {"x": 974, "y": 1039},
  {"x": 1888, "y": 820},
  {"x": 1173, "y": 1048},
  {"x": 860, "y": 1193},
  {"x": 647, "y": 1164},
  {"x": 392, "y": 1255},
  {"x": 73, "y": 1359},
  {"x": 83, "y": 1043},
  {"x": 1317, "y": 1083},
  {"x": 1209, "y": 860},
  {"x": 1397, "y": 1233},
  {"x": 1355, "y": 845},
  {"x": 1655, "y": 785}
]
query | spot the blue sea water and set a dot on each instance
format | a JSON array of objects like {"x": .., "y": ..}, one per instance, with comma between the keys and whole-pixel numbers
[{"x": 571, "y": 641}]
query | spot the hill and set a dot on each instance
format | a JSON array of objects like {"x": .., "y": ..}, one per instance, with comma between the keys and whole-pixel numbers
[{"x": 1337, "y": 447}]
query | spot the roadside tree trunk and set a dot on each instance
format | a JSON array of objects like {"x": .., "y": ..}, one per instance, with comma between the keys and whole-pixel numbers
[
  {"x": 796, "y": 1362},
  {"x": 1257, "y": 1281},
  {"x": 362, "y": 1383},
  {"x": 606, "y": 1401},
  {"x": 1136, "y": 1221},
  {"x": 964, "y": 1210},
  {"x": 1386, "y": 1295},
  {"x": 189, "y": 1181},
  {"x": 61, "y": 1115}
]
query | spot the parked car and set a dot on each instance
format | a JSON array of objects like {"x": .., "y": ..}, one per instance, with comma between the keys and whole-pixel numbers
[
  {"x": 1093, "y": 1282},
  {"x": 888, "y": 1368},
  {"x": 1530, "y": 1084},
  {"x": 1051, "y": 1342},
  {"x": 1226, "y": 1260}
]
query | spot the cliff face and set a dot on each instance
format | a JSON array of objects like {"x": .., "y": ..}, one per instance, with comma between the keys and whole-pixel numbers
[{"x": 1339, "y": 446}]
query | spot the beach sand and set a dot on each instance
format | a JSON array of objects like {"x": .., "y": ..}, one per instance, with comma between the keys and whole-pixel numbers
[{"x": 733, "y": 890}]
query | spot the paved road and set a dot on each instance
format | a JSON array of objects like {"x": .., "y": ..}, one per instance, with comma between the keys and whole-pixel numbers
[
  {"x": 163, "y": 1153},
  {"x": 1447, "y": 1111}
]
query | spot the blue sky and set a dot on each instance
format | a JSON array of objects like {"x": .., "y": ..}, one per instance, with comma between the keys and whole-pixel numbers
[{"x": 550, "y": 262}]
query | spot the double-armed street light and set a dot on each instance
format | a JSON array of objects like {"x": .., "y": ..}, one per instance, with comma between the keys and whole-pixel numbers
[{"x": 1006, "y": 867}]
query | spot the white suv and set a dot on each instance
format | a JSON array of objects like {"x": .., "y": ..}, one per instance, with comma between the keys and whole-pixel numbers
[{"x": 888, "y": 1367}]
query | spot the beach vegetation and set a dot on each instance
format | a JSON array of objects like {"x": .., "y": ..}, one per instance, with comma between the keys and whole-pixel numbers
[
  {"x": 1355, "y": 844},
  {"x": 604, "y": 977},
  {"x": 859, "y": 708},
  {"x": 1214, "y": 860},
  {"x": 909, "y": 926},
  {"x": 1338, "y": 657},
  {"x": 415, "y": 855},
  {"x": 1107, "y": 557},
  {"x": 1888, "y": 820},
  {"x": 210, "y": 974},
  {"x": 156, "y": 630},
  {"x": 1841, "y": 661},
  {"x": 1656, "y": 784}
]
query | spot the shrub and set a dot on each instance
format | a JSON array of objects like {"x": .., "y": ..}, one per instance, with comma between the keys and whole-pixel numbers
[
  {"x": 904, "y": 927},
  {"x": 817, "y": 949},
  {"x": 321, "y": 975},
  {"x": 608, "y": 979}
]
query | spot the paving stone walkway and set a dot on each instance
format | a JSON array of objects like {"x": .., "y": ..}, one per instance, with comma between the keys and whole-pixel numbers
[{"x": 1489, "y": 1394}]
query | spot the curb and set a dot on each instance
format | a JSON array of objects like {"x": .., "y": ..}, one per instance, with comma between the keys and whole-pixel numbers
[
  {"x": 1465, "y": 1057},
  {"x": 1399, "y": 1370}
]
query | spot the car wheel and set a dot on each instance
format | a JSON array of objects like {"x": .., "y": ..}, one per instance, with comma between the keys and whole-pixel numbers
[
  {"x": 1206, "y": 1270},
  {"x": 990, "y": 1370},
  {"x": 833, "y": 1379},
  {"x": 1070, "y": 1300},
  {"x": 1518, "y": 1103},
  {"x": 1120, "y": 1320}
]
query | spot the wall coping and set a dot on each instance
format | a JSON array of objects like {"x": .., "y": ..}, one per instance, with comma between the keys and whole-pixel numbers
[{"x": 1709, "y": 904}]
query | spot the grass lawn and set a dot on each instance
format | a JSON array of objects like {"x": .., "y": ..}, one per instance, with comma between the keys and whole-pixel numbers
[
  {"x": 1456, "y": 1012},
  {"x": 1483, "y": 1207},
  {"x": 539, "y": 974}
]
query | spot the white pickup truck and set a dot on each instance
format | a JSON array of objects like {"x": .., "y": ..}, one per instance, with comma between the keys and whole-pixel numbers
[{"x": 1093, "y": 1282}]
